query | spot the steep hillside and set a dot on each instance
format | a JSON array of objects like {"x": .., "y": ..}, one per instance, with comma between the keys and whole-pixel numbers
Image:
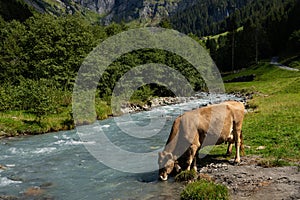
[
  {"x": 203, "y": 12},
  {"x": 206, "y": 17},
  {"x": 114, "y": 10}
]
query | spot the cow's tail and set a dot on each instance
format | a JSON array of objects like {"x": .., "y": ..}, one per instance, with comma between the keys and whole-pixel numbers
[{"x": 242, "y": 144}]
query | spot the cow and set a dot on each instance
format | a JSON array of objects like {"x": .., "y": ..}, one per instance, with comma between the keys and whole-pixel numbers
[{"x": 213, "y": 124}]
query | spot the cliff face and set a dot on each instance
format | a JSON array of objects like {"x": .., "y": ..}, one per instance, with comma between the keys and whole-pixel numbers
[
  {"x": 128, "y": 10},
  {"x": 114, "y": 10},
  {"x": 144, "y": 11},
  {"x": 99, "y": 6}
]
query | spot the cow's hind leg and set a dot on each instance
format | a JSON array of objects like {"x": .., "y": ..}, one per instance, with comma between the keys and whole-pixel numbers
[{"x": 237, "y": 137}]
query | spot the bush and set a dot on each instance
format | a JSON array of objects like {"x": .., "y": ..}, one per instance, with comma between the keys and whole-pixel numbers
[
  {"x": 40, "y": 98},
  {"x": 186, "y": 175},
  {"x": 102, "y": 109},
  {"x": 204, "y": 190}
]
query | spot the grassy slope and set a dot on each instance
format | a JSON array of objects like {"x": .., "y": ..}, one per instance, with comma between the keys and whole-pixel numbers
[
  {"x": 216, "y": 37},
  {"x": 275, "y": 122},
  {"x": 14, "y": 123}
]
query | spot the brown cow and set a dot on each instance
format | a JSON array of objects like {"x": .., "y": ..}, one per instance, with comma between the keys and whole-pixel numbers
[{"x": 204, "y": 126}]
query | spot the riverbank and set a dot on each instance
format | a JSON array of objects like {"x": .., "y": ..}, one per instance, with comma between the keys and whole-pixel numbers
[
  {"x": 252, "y": 178},
  {"x": 165, "y": 101},
  {"x": 18, "y": 123}
]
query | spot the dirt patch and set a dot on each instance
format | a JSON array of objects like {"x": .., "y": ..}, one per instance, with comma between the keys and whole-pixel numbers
[{"x": 250, "y": 181}]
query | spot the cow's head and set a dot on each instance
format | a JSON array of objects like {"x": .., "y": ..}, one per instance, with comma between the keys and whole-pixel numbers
[{"x": 167, "y": 162}]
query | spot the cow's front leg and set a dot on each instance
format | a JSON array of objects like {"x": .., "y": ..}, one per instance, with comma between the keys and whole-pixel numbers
[
  {"x": 229, "y": 149},
  {"x": 230, "y": 141},
  {"x": 192, "y": 158}
]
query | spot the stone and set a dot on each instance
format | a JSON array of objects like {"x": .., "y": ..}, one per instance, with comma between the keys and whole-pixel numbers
[{"x": 260, "y": 148}]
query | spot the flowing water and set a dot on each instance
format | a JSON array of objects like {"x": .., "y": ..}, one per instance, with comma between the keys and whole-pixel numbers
[{"x": 60, "y": 166}]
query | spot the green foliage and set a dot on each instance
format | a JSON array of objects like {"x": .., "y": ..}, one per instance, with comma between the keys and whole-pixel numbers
[
  {"x": 115, "y": 28},
  {"x": 102, "y": 109},
  {"x": 204, "y": 190},
  {"x": 294, "y": 40},
  {"x": 40, "y": 98},
  {"x": 165, "y": 23},
  {"x": 207, "y": 17},
  {"x": 47, "y": 47},
  {"x": 187, "y": 175},
  {"x": 128, "y": 61},
  {"x": 53, "y": 48},
  {"x": 142, "y": 94}
]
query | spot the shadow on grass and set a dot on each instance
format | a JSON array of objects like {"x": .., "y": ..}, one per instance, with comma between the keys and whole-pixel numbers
[{"x": 30, "y": 122}]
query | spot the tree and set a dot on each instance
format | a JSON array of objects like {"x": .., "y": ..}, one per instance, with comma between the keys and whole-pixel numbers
[
  {"x": 12, "y": 36},
  {"x": 211, "y": 44},
  {"x": 294, "y": 41}
]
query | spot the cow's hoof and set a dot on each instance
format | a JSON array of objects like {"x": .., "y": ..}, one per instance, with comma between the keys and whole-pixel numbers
[
  {"x": 236, "y": 163},
  {"x": 227, "y": 155},
  {"x": 233, "y": 162}
]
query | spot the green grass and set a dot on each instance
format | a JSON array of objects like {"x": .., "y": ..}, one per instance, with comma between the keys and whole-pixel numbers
[
  {"x": 216, "y": 37},
  {"x": 275, "y": 122},
  {"x": 14, "y": 123},
  {"x": 204, "y": 190}
]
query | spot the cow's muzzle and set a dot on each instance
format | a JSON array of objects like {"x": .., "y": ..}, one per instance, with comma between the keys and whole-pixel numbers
[{"x": 163, "y": 178}]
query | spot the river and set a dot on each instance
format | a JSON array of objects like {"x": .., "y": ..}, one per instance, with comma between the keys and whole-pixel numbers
[{"x": 59, "y": 166}]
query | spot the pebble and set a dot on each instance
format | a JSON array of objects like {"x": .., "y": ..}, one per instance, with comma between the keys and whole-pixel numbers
[
  {"x": 260, "y": 148},
  {"x": 212, "y": 167}
]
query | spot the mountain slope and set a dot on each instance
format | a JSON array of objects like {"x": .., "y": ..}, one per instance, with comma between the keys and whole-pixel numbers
[
  {"x": 144, "y": 11},
  {"x": 113, "y": 10}
]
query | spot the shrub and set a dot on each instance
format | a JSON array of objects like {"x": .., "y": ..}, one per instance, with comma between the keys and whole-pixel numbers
[
  {"x": 186, "y": 175},
  {"x": 40, "y": 98},
  {"x": 102, "y": 109},
  {"x": 204, "y": 190}
]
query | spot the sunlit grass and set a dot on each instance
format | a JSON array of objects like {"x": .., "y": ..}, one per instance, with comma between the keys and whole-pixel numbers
[
  {"x": 205, "y": 190},
  {"x": 14, "y": 123},
  {"x": 275, "y": 121}
]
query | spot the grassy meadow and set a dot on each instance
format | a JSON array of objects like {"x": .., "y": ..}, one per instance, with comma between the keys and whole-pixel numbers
[{"x": 273, "y": 120}]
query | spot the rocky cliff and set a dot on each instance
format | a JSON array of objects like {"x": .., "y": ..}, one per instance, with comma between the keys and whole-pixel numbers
[
  {"x": 187, "y": 16},
  {"x": 114, "y": 10}
]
